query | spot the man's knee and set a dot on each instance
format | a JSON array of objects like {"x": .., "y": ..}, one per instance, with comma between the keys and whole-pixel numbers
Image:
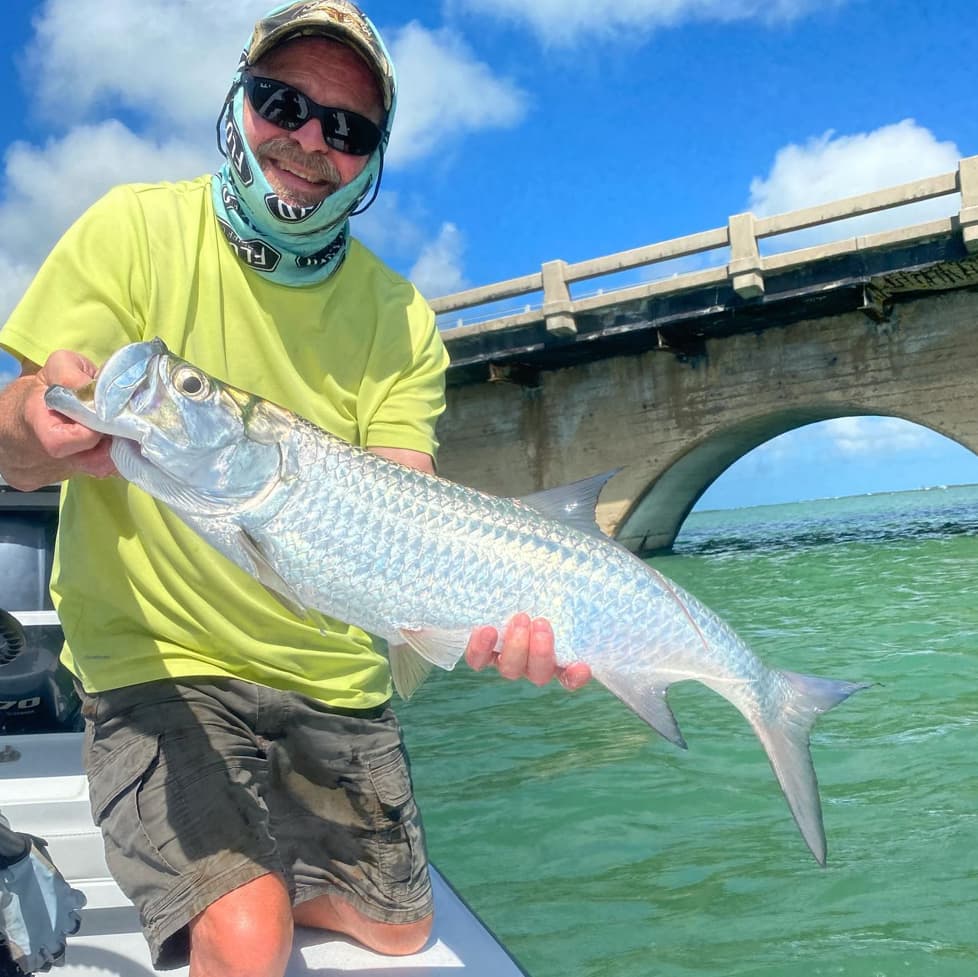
[
  {"x": 247, "y": 932},
  {"x": 400, "y": 939}
]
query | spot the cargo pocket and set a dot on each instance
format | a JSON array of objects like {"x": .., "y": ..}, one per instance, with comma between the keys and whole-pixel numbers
[
  {"x": 118, "y": 772},
  {"x": 390, "y": 777},
  {"x": 402, "y": 858},
  {"x": 115, "y": 780}
]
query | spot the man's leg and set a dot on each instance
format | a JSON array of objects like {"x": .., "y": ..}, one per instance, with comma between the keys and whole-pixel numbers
[
  {"x": 331, "y": 912},
  {"x": 344, "y": 815}
]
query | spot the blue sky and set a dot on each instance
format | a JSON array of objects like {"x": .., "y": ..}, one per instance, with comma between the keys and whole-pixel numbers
[{"x": 534, "y": 131}]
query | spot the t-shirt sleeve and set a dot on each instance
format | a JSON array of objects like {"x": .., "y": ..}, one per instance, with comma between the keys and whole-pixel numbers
[
  {"x": 408, "y": 405},
  {"x": 89, "y": 294}
]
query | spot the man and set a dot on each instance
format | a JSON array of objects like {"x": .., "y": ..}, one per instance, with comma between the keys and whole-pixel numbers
[
  {"x": 245, "y": 768},
  {"x": 38, "y": 909}
]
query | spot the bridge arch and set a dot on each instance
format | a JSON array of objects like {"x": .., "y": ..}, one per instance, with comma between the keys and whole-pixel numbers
[{"x": 654, "y": 518}]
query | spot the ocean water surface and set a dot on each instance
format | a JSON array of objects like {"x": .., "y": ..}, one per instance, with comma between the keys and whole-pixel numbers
[{"x": 594, "y": 848}]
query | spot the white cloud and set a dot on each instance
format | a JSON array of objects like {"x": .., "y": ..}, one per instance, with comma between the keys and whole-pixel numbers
[
  {"x": 842, "y": 438},
  {"x": 89, "y": 160},
  {"x": 844, "y": 456},
  {"x": 565, "y": 22},
  {"x": 882, "y": 437},
  {"x": 445, "y": 92},
  {"x": 438, "y": 271},
  {"x": 435, "y": 266},
  {"x": 830, "y": 167},
  {"x": 172, "y": 59}
]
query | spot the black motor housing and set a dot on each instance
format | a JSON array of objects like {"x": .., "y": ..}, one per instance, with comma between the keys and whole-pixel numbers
[{"x": 36, "y": 692}]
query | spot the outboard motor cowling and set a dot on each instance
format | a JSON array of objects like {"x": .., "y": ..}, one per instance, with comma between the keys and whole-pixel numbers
[{"x": 36, "y": 694}]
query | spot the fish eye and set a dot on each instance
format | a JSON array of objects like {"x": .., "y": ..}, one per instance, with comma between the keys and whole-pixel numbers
[{"x": 190, "y": 382}]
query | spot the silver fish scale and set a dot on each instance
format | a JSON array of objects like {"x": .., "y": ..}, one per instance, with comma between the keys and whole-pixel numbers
[{"x": 387, "y": 547}]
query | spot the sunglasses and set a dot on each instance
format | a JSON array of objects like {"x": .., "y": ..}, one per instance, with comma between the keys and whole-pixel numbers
[{"x": 287, "y": 108}]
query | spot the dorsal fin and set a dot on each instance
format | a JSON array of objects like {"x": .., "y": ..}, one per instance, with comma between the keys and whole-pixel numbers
[{"x": 573, "y": 504}]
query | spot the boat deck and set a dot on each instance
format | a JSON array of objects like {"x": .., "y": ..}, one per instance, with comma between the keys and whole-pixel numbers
[{"x": 43, "y": 790}]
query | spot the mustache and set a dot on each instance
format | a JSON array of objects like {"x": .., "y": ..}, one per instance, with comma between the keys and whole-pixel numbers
[{"x": 317, "y": 165}]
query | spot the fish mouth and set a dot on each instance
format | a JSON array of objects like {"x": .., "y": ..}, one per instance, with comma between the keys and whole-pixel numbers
[
  {"x": 125, "y": 379},
  {"x": 111, "y": 404}
]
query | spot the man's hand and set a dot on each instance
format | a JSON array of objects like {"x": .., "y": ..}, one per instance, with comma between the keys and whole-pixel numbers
[
  {"x": 38, "y": 909},
  {"x": 39, "y": 446},
  {"x": 527, "y": 651},
  {"x": 528, "y": 646}
]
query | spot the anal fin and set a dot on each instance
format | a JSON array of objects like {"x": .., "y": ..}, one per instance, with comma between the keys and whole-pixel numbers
[
  {"x": 648, "y": 703},
  {"x": 441, "y": 648},
  {"x": 408, "y": 669}
]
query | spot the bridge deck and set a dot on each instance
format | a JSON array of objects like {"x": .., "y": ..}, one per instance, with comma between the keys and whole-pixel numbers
[
  {"x": 745, "y": 292},
  {"x": 680, "y": 322}
]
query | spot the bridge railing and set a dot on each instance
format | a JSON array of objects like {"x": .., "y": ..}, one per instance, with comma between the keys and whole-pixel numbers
[{"x": 545, "y": 295}]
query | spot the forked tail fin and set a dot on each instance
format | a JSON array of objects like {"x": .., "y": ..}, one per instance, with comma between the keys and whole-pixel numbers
[{"x": 785, "y": 737}]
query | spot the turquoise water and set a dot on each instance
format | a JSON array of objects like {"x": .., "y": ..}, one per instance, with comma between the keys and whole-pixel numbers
[{"x": 594, "y": 848}]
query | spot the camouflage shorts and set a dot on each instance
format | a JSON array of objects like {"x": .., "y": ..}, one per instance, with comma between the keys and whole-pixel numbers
[{"x": 202, "y": 785}]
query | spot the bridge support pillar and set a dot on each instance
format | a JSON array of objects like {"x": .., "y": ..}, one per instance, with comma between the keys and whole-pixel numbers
[
  {"x": 557, "y": 310},
  {"x": 968, "y": 185},
  {"x": 745, "y": 260}
]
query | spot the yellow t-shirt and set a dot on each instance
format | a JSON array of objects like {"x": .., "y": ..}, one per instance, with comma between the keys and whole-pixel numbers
[{"x": 140, "y": 596}]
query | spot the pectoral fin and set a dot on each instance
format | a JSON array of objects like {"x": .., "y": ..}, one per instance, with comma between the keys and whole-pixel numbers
[
  {"x": 441, "y": 648},
  {"x": 270, "y": 578},
  {"x": 408, "y": 669}
]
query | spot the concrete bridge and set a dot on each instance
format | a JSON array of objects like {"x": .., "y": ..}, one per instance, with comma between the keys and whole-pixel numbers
[{"x": 674, "y": 380}]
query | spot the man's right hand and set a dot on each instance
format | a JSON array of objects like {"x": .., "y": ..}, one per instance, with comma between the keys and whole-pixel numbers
[{"x": 38, "y": 446}]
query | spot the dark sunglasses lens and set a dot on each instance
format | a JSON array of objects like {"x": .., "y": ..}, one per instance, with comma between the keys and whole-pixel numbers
[
  {"x": 349, "y": 132},
  {"x": 279, "y": 104}
]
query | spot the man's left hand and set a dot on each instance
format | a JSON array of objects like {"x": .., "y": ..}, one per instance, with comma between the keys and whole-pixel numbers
[{"x": 527, "y": 651}]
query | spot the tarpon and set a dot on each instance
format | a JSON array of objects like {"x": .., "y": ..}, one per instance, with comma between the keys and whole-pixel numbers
[{"x": 332, "y": 529}]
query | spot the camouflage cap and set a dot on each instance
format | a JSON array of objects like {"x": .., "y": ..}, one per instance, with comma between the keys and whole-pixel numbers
[{"x": 337, "y": 19}]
